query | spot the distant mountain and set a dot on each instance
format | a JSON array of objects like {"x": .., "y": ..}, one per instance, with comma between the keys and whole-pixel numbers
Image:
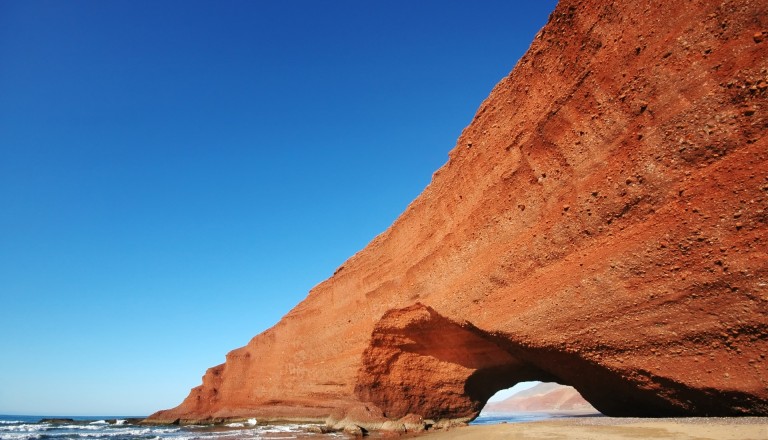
[{"x": 542, "y": 397}]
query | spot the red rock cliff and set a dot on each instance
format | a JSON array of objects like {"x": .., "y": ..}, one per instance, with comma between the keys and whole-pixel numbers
[{"x": 602, "y": 223}]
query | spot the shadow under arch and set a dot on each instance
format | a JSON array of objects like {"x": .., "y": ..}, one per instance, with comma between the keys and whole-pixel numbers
[{"x": 420, "y": 362}]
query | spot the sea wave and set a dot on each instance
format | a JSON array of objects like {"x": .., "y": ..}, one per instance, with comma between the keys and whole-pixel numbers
[
  {"x": 24, "y": 427},
  {"x": 284, "y": 428},
  {"x": 115, "y": 433},
  {"x": 18, "y": 436},
  {"x": 89, "y": 427},
  {"x": 88, "y": 430},
  {"x": 249, "y": 422},
  {"x": 46, "y": 431}
]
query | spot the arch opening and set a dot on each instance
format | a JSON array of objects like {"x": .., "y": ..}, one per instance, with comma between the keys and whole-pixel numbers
[{"x": 534, "y": 400}]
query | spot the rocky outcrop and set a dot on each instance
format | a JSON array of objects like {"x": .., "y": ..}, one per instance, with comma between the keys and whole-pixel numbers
[
  {"x": 602, "y": 223},
  {"x": 544, "y": 397}
]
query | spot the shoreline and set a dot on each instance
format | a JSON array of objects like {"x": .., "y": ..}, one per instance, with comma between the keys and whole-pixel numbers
[
  {"x": 566, "y": 426},
  {"x": 613, "y": 428}
]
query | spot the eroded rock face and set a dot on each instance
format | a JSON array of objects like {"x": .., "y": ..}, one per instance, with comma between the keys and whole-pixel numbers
[{"x": 602, "y": 223}]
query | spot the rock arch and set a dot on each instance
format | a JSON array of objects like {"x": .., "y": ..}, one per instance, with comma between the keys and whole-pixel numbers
[{"x": 420, "y": 362}]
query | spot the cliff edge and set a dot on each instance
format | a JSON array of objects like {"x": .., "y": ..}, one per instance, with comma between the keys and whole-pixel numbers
[{"x": 601, "y": 223}]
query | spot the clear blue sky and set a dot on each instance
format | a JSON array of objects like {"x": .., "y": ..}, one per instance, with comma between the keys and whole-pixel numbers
[{"x": 176, "y": 175}]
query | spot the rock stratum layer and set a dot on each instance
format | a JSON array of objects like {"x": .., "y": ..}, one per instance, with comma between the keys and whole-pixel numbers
[{"x": 601, "y": 224}]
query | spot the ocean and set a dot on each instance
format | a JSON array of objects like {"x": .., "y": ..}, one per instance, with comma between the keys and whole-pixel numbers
[
  {"x": 126, "y": 428},
  {"x": 495, "y": 418}
]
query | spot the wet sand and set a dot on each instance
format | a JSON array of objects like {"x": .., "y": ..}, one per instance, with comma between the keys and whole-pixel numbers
[{"x": 608, "y": 428}]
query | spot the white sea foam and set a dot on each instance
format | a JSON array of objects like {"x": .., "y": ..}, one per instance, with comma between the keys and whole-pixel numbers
[
  {"x": 244, "y": 433},
  {"x": 165, "y": 430},
  {"x": 281, "y": 428},
  {"x": 99, "y": 422},
  {"x": 116, "y": 433},
  {"x": 22, "y": 428},
  {"x": 21, "y": 432},
  {"x": 120, "y": 422},
  {"x": 17, "y": 436},
  {"x": 91, "y": 426},
  {"x": 123, "y": 431}
]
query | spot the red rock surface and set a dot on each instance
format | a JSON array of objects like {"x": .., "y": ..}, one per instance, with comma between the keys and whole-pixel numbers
[
  {"x": 549, "y": 397},
  {"x": 601, "y": 223}
]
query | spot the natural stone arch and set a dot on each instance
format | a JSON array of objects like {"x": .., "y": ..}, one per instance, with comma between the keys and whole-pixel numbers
[{"x": 420, "y": 362}]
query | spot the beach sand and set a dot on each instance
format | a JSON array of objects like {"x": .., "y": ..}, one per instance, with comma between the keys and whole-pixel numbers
[{"x": 608, "y": 428}]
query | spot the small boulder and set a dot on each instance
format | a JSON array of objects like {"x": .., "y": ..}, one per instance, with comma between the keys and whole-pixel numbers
[{"x": 355, "y": 430}]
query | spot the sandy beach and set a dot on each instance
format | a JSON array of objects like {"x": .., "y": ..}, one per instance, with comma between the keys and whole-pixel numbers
[{"x": 605, "y": 428}]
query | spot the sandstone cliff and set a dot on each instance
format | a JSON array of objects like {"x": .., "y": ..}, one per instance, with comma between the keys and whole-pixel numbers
[{"x": 601, "y": 223}]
